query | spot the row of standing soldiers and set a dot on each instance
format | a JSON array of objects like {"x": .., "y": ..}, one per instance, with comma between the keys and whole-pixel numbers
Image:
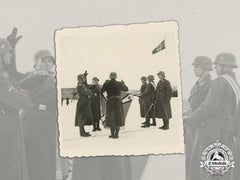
[
  {"x": 213, "y": 115},
  {"x": 155, "y": 100}
]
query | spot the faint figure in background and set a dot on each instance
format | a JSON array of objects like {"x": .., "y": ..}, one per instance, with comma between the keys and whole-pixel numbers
[
  {"x": 202, "y": 65},
  {"x": 96, "y": 103},
  {"x": 143, "y": 87},
  {"x": 148, "y": 97},
  {"x": 83, "y": 110},
  {"x": 14, "y": 103},
  {"x": 67, "y": 101},
  {"x": 114, "y": 110},
  {"x": 40, "y": 125},
  {"x": 212, "y": 119},
  {"x": 163, "y": 97}
]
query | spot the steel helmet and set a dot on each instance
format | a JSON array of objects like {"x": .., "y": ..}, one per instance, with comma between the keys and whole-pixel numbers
[
  {"x": 95, "y": 79},
  {"x": 226, "y": 59},
  {"x": 203, "y": 61},
  {"x": 42, "y": 54},
  {"x": 144, "y": 78},
  {"x": 5, "y": 46},
  {"x": 161, "y": 73},
  {"x": 150, "y": 77}
]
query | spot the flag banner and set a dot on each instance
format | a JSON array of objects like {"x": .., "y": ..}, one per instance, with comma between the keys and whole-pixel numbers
[{"x": 160, "y": 47}]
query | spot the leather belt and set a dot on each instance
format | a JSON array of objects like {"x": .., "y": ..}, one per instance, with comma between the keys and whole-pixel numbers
[{"x": 113, "y": 97}]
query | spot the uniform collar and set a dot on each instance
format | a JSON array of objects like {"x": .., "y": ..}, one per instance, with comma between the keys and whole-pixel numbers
[{"x": 203, "y": 80}]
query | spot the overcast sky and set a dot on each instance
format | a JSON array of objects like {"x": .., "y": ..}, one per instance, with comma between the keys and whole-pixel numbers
[
  {"x": 126, "y": 50},
  {"x": 205, "y": 27}
]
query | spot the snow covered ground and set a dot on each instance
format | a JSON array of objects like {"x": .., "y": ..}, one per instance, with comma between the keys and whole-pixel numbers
[{"x": 132, "y": 138}]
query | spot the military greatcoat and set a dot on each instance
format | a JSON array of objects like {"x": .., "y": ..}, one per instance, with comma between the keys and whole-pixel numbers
[
  {"x": 211, "y": 119},
  {"x": 95, "y": 102},
  {"x": 83, "y": 110},
  {"x": 142, "y": 109},
  {"x": 12, "y": 152},
  {"x": 163, "y": 97},
  {"x": 148, "y": 98},
  {"x": 197, "y": 96},
  {"x": 40, "y": 126},
  {"x": 114, "y": 110}
]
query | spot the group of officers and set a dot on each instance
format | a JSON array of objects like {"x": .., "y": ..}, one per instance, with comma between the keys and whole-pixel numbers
[
  {"x": 155, "y": 100},
  {"x": 88, "y": 110},
  {"x": 154, "y": 103},
  {"x": 27, "y": 115},
  {"x": 213, "y": 115}
]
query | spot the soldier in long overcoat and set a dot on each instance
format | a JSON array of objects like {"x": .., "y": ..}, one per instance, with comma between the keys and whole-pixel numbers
[
  {"x": 83, "y": 110},
  {"x": 114, "y": 110},
  {"x": 148, "y": 97},
  {"x": 202, "y": 67},
  {"x": 163, "y": 97},
  {"x": 40, "y": 125},
  {"x": 213, "y": 117},
  {"x": 96, "y": 103},
  {"x": 13, "y": 104},
  {"x": 143, "y": 87}
]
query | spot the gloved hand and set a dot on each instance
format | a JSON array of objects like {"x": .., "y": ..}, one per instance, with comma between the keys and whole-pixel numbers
[
  {"x": 85, "y": 73},
  {"x": 122, "y": 82},
  {"x": 13, "y": 38}
]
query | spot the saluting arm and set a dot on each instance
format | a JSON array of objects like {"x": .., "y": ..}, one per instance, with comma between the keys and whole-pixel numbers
[
  {"x": 12, "y": 69},
  {"x": 83, "y": 90}
]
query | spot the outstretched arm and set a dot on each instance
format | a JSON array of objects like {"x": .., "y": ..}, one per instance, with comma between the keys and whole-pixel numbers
[{"x": 13, "y": 39}]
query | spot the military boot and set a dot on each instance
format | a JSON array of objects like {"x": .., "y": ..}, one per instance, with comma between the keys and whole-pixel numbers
[
  {"x": 112, "y": 133},
  {"x": 164, "y": 124},
  {"x": 116, "y": 133},
  {"x": 147, "y": 123},
  {"x": 166, "y": 127},
  {"x": 154, "y": 122},
  {"x": 94, "y": 127},
  {"x": 97, "y": 126},
  {"x": 83, "y": 133}
]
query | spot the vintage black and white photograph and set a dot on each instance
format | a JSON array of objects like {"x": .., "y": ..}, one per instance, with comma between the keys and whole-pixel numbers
[{"x": 119, "y": 90}]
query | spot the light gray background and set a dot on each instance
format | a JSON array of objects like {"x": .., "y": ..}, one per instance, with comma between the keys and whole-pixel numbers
[{"x": 205, "y": 27}]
